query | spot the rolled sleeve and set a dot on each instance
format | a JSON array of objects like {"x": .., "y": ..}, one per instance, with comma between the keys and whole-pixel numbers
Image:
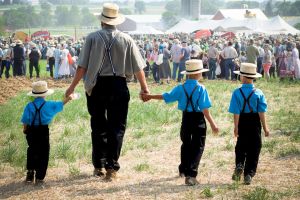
[
  {"x": 262, "y": 104},
  {"x": 26, "y": 116},
  {"x": 172, "y": 96},
  {"x": 84, "y": 56},
  {"x": 234, "y": 105},
  {"x": 204, "y": 101}
]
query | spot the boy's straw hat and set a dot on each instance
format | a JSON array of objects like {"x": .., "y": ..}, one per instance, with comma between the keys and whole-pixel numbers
[
  {"x": 248, "y": 70},
  {"x": 194, "y": 67},
  {"x": 40, "y": 89},
  {"x": 110, "y": 14}
]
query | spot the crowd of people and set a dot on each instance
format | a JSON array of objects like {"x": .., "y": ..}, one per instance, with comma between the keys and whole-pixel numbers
[
  {"x": 61, "y": 57},
  {"x": 165, "y": 55},
  {"x": 275, "y": 56}
]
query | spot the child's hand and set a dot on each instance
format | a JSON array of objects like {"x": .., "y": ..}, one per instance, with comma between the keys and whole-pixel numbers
[
  {"x": 236, "y": 132},
  {"x": 215, "y": 129},
  {"x": 267, "y": 132},
  {"x": 146, "y": 97}
]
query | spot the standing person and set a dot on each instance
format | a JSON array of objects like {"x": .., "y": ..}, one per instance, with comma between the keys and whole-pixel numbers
[
  {"x": 156, "y": 63},
  {"x": 296, "y": 61},
  {"x": 252, "y": 52},
  {"x": 57, "y": 55},
  {"x": 34, "y": 57},
  {"x": 175, "y": 56},
  {"x": 229, "y": 54},
  {"x": 213, "y": 55},
  {"x": 64, "y": 69},
  {"x": 267, "y": 61},
  {"x": 5, "y": 61},
  {"x": 50, "y": 58},
  {"x": 194, "y": 102},
  {"x": 164, "y": 68},
  {"x": 185, "y": 56},
  {"x": 260, "y": 58},
  {"x": 248, "y": 106},
  {"x": 36, "y": 117},
  {"x": 107, "y": 56},
  {"x": 18, "y": 56}
]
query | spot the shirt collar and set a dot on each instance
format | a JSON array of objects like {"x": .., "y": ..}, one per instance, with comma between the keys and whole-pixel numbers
[
  {"x": 191, "y": 81},
  {"x": 250, "y": 85},
  {"x": 39, "y": 99}
]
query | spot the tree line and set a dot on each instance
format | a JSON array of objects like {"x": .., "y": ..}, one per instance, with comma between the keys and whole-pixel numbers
[{"x": 28, "y": 17}]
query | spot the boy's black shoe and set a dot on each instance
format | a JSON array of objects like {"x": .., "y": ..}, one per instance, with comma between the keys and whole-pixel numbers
[
  {"x": 237, "y": 173},
  {"x": 29, "y": 176},
  {"x": 181, "y": 174},
  {"x": 100, "y": 172},
  {"x": 247, "y": 180},
  {"x": 191, "y": 181}
]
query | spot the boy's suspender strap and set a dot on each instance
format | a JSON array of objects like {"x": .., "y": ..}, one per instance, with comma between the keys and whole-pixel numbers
[
  {"x": 107, "y": 52},
  {"x": 189, "y": 98},
  {"x": 37, "y": 110},
  {"x": 246, "y": 100}
]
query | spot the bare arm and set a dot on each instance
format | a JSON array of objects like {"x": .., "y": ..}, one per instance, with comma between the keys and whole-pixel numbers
[
  {"x": 211, "y": 121},
  {"x": 80, "y": 72},
  {"x": 264, "y": 123},
  {"x": 236, "y": 119},
  {"x": 142, "y": 80}
]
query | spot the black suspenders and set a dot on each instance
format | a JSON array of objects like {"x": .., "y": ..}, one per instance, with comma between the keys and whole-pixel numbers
[
  {"x": 246, "y": 100},
  {"x": 37, "y": 110},
  {"x": 108, "y": 52},
  {"x": 190, "y": 98}
]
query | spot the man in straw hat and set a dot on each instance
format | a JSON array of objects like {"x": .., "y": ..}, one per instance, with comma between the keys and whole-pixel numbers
[
  {"x": 194, "y": 102},
  {"x": 108, "y": 55},
  {"x": 37, "y": 115},
  {"x": 18, "y": 56},
  {"x": 248, "y": 105}
]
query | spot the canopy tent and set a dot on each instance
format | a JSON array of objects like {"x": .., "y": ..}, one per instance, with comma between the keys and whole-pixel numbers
[
  {"x": 143, "y": 30},
  {"x": 275, "y": 25},
  {"x": 202, "y": 34}
]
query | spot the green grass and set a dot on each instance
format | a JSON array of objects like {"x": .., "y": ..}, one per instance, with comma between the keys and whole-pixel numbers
[{"x": 260, "y": 193}]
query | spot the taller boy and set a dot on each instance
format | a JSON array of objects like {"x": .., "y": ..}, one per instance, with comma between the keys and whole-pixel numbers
[{"x": 248, "y": 105}]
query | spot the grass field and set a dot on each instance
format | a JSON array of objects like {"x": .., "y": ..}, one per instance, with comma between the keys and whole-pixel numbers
[{"x": 150, "y": 154}]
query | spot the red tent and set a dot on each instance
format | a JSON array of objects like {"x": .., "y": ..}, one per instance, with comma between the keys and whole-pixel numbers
[
  {"x": 228, "y": 35},
  {"x": 202, "y": 34}
]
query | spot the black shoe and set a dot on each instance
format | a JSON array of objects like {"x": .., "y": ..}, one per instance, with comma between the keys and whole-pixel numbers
[
  {"x": 181, "y": 175},
  {"x": 247, "y": 180},
  {"x": 39, "y": 181},
  {"x": 100, "y": 172},
  {"x": 237, "y": 173},
  {"x": 29, "y": 176}
]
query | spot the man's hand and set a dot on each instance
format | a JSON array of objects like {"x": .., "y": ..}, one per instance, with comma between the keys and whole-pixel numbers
[
  {"x": 267, "y": 132},
  {"x": 142, "y": 94},
  {"x": 69, "y": 91}
]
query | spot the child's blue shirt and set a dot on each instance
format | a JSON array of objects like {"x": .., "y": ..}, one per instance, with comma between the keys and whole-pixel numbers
[
  {"x": 200, "y": 98},
  {"x": 48, "y": 111},
  {"x": 257, "y": 100}
]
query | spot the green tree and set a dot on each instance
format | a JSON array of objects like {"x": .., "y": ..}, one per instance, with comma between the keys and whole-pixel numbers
[
  {"x": 297, "y": 26},
  {"x": 88, "y": 19},
  {"x": 240, "y": 4},
  {"x": 125, "y": 11},
  {"x": 269, "y": 9},
  {"x": 73, "y": 15},
  {"x": 173, "y": 6},
  {"x": 209, "y": 7},
  {"x": 62, "y": 14},
  {"x": 169, "y": 19},
  {"x": 139, "y": 7}
]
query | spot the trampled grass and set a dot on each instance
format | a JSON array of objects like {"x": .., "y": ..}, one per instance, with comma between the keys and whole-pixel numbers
[{"x": 150, "y": 152}]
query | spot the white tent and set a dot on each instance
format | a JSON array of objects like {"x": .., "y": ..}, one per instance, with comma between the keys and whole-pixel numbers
[
  {"x": 186, "y": 26},
  {"x": 143, "y": 30}
]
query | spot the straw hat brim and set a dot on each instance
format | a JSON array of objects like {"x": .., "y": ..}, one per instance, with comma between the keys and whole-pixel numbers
[
  {"x": 118, "y": 20},
  {"x": 49, "y": 92},
  {"x": 196, "y": 72},
  {"x": 257, "y": 75}
]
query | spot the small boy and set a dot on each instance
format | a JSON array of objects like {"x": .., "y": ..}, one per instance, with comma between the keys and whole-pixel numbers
[
  {"x": 248, "y": 106},
  {"x": 194, "y": 102},
  {"x": 36, "y": 117}
]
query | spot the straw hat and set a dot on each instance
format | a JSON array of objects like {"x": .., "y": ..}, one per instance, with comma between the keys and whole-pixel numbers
[
  {"x": 110, "y": 14},
  {"x": 19, "y": 42},
  {"x": 40, "y": 89},
  {"x": 248, "y": 70},
  {"x": 194, "y": 67}
]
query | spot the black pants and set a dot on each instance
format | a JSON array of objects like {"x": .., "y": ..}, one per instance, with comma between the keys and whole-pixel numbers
[
  {"x": 108, "y": 107},
  {"x": 5, "y": 64},
  {"x": 248, "y": 145},
  {"x": 18, "y": 68},
  {"x": 155, "y": 72},
  {"x": 38, "y": 150},
  {"x": 193, "y": 135},
  {"x": 35, "y": 64},
  {"x": 51, "y": 65}
]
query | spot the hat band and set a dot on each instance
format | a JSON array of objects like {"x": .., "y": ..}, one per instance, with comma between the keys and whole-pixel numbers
[
  {"x": 193, "y": 70},
  {"x": 108, "y": 17},
  {"x": 247, "y": 73},
  {"x": 39, "y": 92}
]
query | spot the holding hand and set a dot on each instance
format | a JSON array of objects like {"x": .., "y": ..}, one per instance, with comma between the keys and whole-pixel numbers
[
  {"x": 236, "y": 132},
  {"x": 267, "y": 132}
]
